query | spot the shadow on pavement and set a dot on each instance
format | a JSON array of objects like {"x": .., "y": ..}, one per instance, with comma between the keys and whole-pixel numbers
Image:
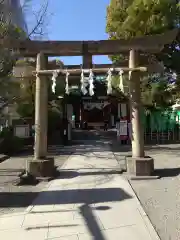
[
  {"x": 93, "y": 227},
  {"x": 76, "y": 196},
  {"x": 66, "y": 174},
  {"x": 88, "y": 196},
  {"x": 167, "y": 172}
]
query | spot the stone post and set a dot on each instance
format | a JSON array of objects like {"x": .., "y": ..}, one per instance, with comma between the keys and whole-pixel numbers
[
  {"x": 40, "y": 166},
  {"x": 137, "y": 164},
  {"x": 40, "y": 150},
  {"x": 135, "y": 101}
]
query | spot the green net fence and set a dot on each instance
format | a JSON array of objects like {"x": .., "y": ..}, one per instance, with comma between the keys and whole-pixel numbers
[{"x": 161, "y": 120}]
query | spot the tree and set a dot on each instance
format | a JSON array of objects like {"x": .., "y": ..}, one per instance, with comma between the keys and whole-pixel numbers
[
  {"x": 8, "y": 30},
  {"x": 131, "y": 18},
  {"x": 26, "y": 100},
  {"x": 156, "y": 90},
  {"x": 35, "y": 24}
]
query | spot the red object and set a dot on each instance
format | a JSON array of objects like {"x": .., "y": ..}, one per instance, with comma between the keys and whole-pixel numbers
[{"x": 123, "y": 137}]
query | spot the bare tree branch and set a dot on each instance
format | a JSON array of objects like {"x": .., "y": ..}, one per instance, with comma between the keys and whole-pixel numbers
[
  {"x": 40, "y": 17},
  {"x": 36, "y": 17}
]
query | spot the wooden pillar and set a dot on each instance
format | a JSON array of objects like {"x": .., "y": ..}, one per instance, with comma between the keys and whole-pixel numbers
[
  {"x": 87, "y": 61},
  {"x": 87, "y": 58},
  {"x": 135, "y": 103},
  {"x": 87, "y": 64},
  {"x": 119, "y": 110},
  {"x": 41, "y": 105}
]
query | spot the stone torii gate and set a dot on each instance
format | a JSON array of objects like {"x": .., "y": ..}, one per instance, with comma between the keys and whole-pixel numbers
[{"x": 138, "y": 164}]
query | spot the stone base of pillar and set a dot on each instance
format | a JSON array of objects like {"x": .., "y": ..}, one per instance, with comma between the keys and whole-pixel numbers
[
  {"x": 42, "y": 168},
  {"x": 140, "y": 166}
]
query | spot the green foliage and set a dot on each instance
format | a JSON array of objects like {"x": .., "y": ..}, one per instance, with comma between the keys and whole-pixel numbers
[
  {"x": 8, "y": 88},
  {"x": 10, "y": 144},
  {"x": 25, "y": 110},
  {"x": 8, "y": 32},
  {"x": 26, "y": 101},
  {"x": 155, "y": 94},
  {"x": 53, "y": 121},
  {"x": 130, "y": 18},
  {"x": 8, "y": 56},
  {"x": 7, "y": 132},
  {"x": 155, "y": 91}
]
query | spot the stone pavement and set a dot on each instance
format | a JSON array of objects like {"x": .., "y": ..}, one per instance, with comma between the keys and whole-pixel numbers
[
  {"x": 90, "y": 200},
  {"x": 23, "y": 195},
  {"x": 161, "y": 197}
]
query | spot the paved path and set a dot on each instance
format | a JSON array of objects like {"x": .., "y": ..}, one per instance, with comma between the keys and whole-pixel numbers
[
  {"x": 9, "y": 176},
  {"x": 161, "y": 197},
  {"x": 90, "y": 200}
]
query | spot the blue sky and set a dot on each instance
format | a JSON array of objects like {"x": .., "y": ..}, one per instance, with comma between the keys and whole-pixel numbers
[{"x": 78, "y": 20}]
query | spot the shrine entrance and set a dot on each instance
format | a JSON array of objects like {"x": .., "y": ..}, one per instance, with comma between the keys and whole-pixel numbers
[
  {"x": 137, "y": 49},
  {"x": 94, "y": 112}
]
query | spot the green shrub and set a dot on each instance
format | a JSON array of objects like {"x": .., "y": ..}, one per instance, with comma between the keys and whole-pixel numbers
[
  {"x": 6, "y": 132},
  {"x": 9, "y": 143}
]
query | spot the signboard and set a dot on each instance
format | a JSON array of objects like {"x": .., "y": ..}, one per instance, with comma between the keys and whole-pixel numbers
[
  {"x": 123, "y": 110},
  {"x": 122, "y": 129},
  {"x": 21, "y": 131}
]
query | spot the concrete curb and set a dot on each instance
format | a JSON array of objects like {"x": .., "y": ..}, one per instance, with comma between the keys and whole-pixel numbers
[
  {"x": 142, "y": 177},
  {"x": 154, "y": 235}
]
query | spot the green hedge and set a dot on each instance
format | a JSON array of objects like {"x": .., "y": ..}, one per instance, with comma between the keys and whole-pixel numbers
[{"x": 10, "y": 144}]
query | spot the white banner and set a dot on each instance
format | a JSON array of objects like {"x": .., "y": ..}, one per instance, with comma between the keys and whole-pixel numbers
[
  {"x": 123, "y": 110},
  {"x": 21, "y": 131},
  {"x": 123, "y": 128}
]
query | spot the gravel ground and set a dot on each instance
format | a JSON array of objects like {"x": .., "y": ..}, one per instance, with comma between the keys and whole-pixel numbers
[
  {"x": 160, "y": 198},
  {"x": 16, "y": 198}
]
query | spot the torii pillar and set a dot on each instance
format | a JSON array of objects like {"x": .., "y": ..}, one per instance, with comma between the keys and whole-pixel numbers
[
  {"x": 138, "y": 164},
  {"x": 87, "y": 63},
  {"x": 41, "y": 166}
]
